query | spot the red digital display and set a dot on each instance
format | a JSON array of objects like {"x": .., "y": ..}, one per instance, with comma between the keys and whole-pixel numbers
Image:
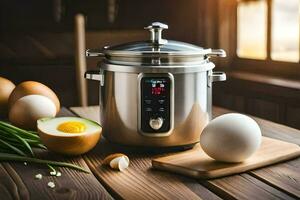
[{"x": 158, "y": 88}]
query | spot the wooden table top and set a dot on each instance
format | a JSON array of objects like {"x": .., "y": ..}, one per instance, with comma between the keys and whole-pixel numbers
[{"x": 140, "y": 181}]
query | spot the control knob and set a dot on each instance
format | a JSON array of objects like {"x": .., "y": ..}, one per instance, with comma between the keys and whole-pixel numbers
[{"x": 156, "y": 123}]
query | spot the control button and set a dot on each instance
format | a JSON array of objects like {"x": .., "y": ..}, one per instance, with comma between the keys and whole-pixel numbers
[
  {"x": 161, "y": 109},
  {"x": 156, "y": 123},
  {"x": 148, "y": 109},
  {"x": 161, "y": 101},
  {"x": 148, "y": 101}
]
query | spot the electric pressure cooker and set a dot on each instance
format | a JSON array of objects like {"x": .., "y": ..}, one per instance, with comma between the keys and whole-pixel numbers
[{"x": 156, "y": 92}]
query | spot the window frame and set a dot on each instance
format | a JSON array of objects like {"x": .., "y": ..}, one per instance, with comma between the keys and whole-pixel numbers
[{"x": 266, "y": 66}]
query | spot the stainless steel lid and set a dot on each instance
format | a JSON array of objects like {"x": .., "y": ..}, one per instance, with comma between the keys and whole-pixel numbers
[{"x": 156, "y": 51}]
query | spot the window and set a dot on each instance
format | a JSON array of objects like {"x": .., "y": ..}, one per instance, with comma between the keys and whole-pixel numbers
[{"x": 268, "y": 30}]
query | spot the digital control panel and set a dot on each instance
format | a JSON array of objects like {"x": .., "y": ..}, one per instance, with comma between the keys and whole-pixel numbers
[{"x": 155, "y": 116}]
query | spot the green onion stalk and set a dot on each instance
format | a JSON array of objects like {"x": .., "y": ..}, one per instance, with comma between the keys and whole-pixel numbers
[{"x": 17, "y": 144}]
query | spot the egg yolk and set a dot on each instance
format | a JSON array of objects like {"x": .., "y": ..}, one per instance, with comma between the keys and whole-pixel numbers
[{"x": 71, "y": 127}]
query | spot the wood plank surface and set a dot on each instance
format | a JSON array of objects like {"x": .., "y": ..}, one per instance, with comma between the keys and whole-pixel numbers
[
  {"x": 17, "y": 181},
  {"x": 245, "y": 186},
  {"x": 140, "y": 181},
  {"x": 285, "y": 176},
  {"x": 196, "y": 163}
]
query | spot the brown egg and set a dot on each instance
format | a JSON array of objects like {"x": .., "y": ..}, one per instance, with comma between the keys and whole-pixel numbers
[
  {"x": 33, "y": 87},
  {"x": 28, "y": 109},
  {"x": 6, "y": 87}
]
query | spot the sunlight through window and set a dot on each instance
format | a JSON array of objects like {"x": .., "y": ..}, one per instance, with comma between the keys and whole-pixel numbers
[
  {"x": 252, "y": 29},
  {"x": 285, "y": 30}
]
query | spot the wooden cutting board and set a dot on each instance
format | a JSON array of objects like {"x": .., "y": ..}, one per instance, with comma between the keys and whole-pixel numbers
[{"x": 195, "y": 163}]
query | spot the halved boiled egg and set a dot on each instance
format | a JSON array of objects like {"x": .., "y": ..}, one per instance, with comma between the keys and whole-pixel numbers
[{"x": 69, "y": 135}]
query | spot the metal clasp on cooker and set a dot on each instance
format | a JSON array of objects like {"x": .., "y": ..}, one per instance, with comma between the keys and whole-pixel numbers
[
  {"x": 94, "y": 53},
  {"x": 216, "y": 52}
]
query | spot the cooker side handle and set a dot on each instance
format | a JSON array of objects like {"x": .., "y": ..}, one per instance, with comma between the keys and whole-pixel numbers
[
  {"x": 216, "y": 77},
  {"x": 96, "y": 75}
]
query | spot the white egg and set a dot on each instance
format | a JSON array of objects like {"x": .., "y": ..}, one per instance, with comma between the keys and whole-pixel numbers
[
  {"x": 231, "y": 137},
  {"x": 27, "y": 110}
]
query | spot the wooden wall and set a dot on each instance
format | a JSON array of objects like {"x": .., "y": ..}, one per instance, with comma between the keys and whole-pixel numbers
[
  {"x": 183, "y": 17},
  {"x": 271, "y": 98},
  {"x": 37, "y": 37}
]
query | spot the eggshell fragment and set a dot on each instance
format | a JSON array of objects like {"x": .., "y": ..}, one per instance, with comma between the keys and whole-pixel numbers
[
  {"x": 38, "y": 176},
  {"x": 112, "y": 156},
  {"x": 231, "y": 138},
  {"x": 51, "y": 184},
  {"x": 117, "y": 161},
  {"x": 27, "y": 110}
]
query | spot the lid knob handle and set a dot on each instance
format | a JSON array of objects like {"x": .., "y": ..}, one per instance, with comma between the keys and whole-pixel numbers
[{"x": 156, "y": 29}]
